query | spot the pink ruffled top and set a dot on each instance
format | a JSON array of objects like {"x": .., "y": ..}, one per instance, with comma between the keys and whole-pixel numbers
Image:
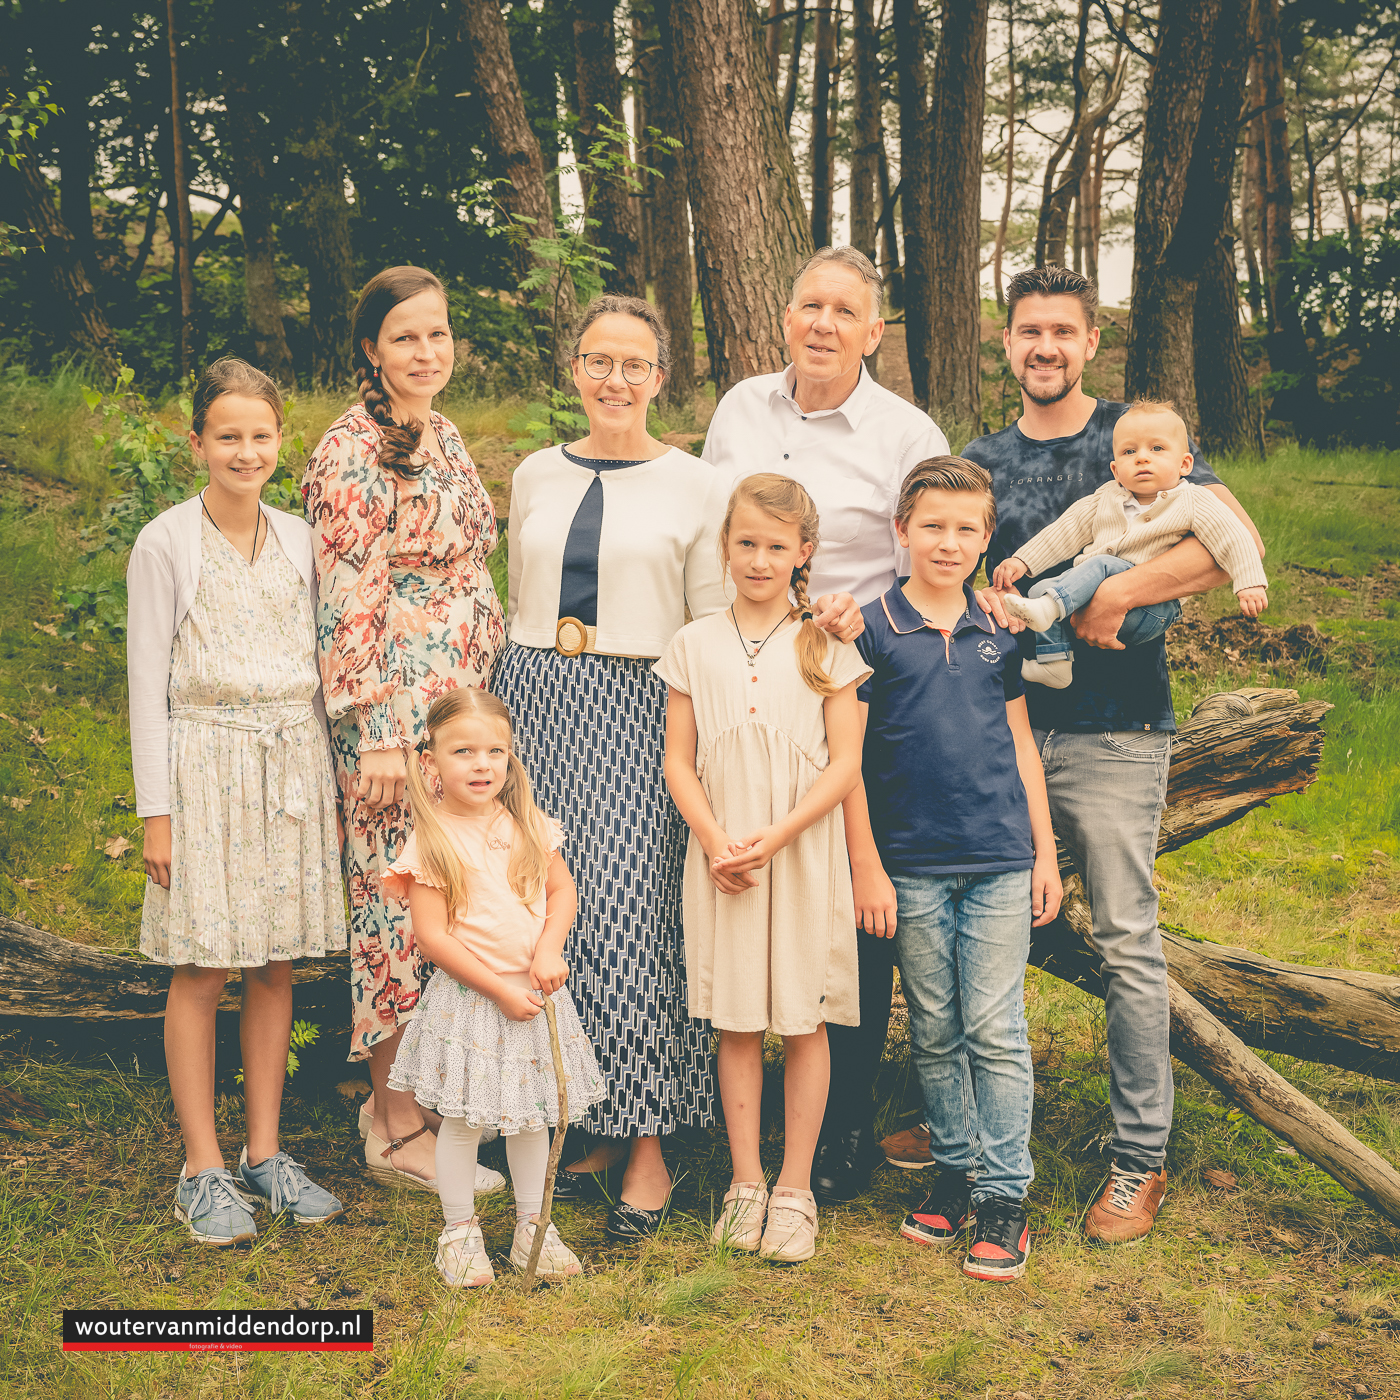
[{"x": 496, "y": 926}]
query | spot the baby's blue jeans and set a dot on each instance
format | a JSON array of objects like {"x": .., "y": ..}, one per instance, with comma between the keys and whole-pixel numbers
[{"x": 1075, "y": 587}]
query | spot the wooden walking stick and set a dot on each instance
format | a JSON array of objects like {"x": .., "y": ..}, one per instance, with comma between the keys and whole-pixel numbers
[{"x": 556, "y": 1148}]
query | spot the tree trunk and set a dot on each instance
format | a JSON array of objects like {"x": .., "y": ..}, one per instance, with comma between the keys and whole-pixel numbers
[
  {"x": 248, "y": 160},
  {"x": 1000, "y": 246},
  {"x": 670, "y": 231},
  {"x": 1194, "y": 98},
  {"x": 889, "y": 235},
  {"x": 180, "y": 188},
  {"x": 1222, "y": 390},
  {"x": 955, "y": 213},
  {"x": 794, "y": 73},
  {"x": 751, "y": 228},
  {"x": 915, "y": 173},
  {"x": 642, "y": 118},
  {"x": 517, "y": 150},
  {"x": 609, "y": 201},
  {"x": 773, "y": 40},
  {"x": 1252, "y": 197},
  {"x": 330, "y": 260},
  {"x": 28, "y": 201},
  {"x": 865, "y": 155},
  {"x": 75, "y": 175},
  {"x": 823, "y": 165}
]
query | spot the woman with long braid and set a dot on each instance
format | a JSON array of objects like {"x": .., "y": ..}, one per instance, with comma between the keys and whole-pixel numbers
[
  {"x": 402, "y": 528},
  {"x": 762, "y": 746}
]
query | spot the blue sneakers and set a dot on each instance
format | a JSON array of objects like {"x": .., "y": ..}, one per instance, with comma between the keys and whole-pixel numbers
[
  {"x": 213, "y": 1208},
  {"x": 283, "y": 1184}
]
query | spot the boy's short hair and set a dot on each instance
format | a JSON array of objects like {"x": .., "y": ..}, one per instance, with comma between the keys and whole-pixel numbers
[
  {"x": 1053, "y": 281},
  {"x": 947, "y": 474}
]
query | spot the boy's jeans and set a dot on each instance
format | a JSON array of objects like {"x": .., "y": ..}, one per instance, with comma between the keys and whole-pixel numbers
[
  {"x": 1075, "y": 587},
  {"x": 962, "y": 942}
]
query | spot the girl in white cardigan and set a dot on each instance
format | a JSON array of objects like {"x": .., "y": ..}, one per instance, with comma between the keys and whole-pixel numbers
[{"x": 233, "y": 782}]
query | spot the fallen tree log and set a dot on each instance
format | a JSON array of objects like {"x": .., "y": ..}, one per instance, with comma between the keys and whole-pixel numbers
[
  {"x": 44, "y": 976},
  {"x": 1200, "y": 1041}
]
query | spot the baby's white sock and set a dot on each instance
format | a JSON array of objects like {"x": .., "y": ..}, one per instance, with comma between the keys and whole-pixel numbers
[
  {"x": 456, "y": 1169},
  {"x": 528, "y": 1156},
  {"x": 1055, "y": 674},
  {"x": 1036, "y": 613}
]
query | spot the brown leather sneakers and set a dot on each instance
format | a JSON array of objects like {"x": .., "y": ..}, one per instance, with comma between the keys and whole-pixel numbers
[
  {"x": 909, "y": 1149},
  {"x": 1127, "y": 1209}
]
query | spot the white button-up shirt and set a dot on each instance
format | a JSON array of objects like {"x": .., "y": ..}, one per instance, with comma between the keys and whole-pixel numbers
[{"x": 851, "y": 459}]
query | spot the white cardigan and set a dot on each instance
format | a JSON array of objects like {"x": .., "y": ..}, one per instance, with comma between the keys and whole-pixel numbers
[
  {"x": 658, "y": 553},
  {"x": 161, "y": 581}
]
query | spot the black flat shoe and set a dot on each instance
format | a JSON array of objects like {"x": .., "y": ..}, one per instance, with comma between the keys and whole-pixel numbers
[
  {"x": 626, "y": 1222},
  {"x": 572, "y": 1186},
  {"x": 843, "y": 1164}
]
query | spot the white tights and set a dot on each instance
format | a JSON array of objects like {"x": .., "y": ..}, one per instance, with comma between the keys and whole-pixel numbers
[{"x": 527, "y": 1154}]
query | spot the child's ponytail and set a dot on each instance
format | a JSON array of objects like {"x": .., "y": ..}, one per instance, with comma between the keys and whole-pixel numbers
[
  {"x": 786, "y": 500},
  {"x": 530, "y": 854}
]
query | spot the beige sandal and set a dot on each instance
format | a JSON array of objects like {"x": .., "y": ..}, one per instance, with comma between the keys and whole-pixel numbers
[
  {"x": 740, "y": 1223},
  {"x": 379, "y": 1159},
  {"x": 791, "y": 1233}
]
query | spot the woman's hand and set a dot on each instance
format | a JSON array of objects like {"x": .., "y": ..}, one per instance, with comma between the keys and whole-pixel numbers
[
  {"x": 725, "y": 881},
  {"x": 1046, "y": 888},
  {"x": 548, "y": 972},
  {"x": 382, "y": 777},
  {"x": 990, "y": 602},
  {"x": 876, "y": 905},
  {"x": 839, "y": 614},
  {"x": 518, "y": 1005},
  {"x": 155, "y": 850}
]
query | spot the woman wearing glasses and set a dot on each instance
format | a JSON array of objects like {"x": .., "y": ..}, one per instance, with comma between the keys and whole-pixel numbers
[{"x": 612, "y": 539}]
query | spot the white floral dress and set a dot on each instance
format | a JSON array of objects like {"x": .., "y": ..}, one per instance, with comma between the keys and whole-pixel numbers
[{"x": 255, "y": 868}]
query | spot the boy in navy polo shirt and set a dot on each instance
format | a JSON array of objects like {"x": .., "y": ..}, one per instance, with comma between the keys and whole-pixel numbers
[{"x": 952, "y": 855}]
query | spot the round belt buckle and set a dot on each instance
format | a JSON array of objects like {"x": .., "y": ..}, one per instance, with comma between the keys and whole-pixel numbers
[{"x": 570, "y": 637}]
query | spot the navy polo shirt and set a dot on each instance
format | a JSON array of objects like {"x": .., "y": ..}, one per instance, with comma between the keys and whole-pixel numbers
[
  {"x": 1035, "y": 481},
  {"x": 941, "y": 781}
]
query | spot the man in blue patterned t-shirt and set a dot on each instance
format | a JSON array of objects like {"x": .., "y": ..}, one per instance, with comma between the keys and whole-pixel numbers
[{"x": 1105, "y": 741}]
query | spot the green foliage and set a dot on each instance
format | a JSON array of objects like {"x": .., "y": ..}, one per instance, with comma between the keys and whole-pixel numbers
[
  {"x": 151, "y": 468},
  {"x": 21, "y": 116},
  {"x": 541, "y": 424},
  {"x": 304, "y": 1033}
]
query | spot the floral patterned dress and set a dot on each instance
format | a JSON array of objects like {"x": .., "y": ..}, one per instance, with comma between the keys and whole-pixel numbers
[
  {"x": 407, "y": 610},
  {"x": 252, "y": 811}
]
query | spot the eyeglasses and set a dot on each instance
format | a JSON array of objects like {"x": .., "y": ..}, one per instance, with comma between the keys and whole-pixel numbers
[{"x": 600, "y": 366}]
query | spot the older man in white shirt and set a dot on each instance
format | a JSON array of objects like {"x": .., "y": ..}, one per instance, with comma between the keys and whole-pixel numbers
[{"x": 825, "y": 422}]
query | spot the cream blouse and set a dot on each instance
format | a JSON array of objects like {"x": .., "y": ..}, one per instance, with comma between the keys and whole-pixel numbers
[{"x": 658, "y": 552}]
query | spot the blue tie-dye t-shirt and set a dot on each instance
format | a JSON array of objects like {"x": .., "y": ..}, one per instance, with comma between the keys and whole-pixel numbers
[{"x": 1035, "y": 483}]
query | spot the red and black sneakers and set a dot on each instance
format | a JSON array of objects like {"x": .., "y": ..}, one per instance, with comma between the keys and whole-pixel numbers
[
  {"x": 1001, "y": 1244},
  {"x": 945, "y": 1213}
]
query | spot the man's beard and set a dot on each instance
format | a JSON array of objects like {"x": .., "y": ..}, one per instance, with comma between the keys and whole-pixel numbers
[{"x": 1046, "y": 399}]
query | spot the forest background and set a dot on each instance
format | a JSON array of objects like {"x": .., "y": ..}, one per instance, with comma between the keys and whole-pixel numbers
[{"x": 206, "y": 178}]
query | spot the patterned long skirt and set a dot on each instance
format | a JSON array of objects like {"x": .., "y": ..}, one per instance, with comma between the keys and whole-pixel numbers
[{"x": 590, "y": 731}]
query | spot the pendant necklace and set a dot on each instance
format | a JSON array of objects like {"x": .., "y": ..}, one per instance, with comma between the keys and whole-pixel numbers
[
  {"x": 215, "y": 524},
  {"x": 752, "y": 656}
]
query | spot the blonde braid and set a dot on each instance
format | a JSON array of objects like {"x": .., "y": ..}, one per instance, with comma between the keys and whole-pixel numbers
[{"x": 812, "y": 643}]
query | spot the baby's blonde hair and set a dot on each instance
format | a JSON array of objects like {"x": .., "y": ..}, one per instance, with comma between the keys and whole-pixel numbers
[
  {"x": 1140, "y": 406},
  {"x": 784, "y": 499},
  {"x": 530, "y": 857}
]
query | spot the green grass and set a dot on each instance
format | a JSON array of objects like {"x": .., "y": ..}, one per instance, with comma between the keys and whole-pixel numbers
[{"x": 1224, "y": 1298}]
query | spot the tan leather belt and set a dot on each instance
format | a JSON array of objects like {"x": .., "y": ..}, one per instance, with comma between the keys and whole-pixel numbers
[{"x": 573, "y": 638}]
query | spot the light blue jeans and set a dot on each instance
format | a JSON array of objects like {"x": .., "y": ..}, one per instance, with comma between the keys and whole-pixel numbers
[
  {"x": 962, "y": 943},
  {"x": 1107, "y": 791},
  {"x": 1075, "y": 588}
]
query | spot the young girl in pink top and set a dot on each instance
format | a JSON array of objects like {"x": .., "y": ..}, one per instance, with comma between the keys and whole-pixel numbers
[{"x": 491, "y": 903}]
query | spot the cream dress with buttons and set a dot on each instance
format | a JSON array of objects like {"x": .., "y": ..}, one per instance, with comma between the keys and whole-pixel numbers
[
  {"x": 255, "y": 865},
  {"x": 780, "y": 957}
]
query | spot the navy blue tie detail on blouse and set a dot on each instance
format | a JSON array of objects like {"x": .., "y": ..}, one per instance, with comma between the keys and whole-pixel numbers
[{"x": 578, "y": 582}]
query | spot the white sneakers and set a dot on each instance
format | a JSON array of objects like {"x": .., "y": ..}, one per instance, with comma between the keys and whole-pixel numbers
[{"x": 463, "y": 1262}]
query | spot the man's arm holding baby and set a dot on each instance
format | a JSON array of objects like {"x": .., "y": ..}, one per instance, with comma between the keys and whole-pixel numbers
[{"x": 1185, "y": 569}]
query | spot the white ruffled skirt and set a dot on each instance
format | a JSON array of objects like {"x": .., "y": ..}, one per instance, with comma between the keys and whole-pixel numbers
[{"x": 462, "y": 1058}]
